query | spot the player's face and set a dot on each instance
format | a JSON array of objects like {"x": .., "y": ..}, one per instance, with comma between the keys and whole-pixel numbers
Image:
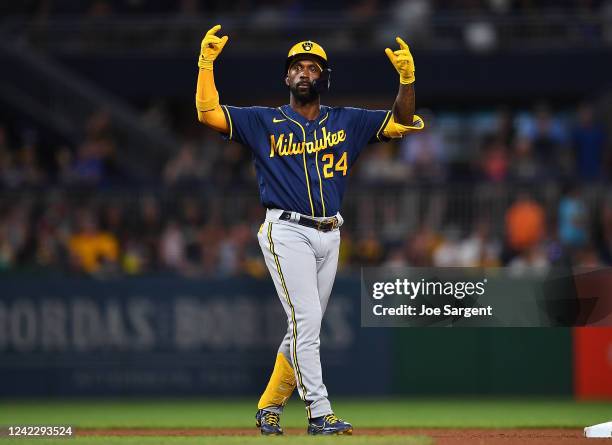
[{"x": 300, "y": 77}]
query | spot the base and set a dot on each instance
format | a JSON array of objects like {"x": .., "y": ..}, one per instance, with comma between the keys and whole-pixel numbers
[{"x": 601, "y": 430}]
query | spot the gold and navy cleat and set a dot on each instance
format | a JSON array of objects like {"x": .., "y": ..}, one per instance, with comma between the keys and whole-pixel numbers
[
  {"x": 329, "y": 425},
  {"x": 268, "y": 423}
]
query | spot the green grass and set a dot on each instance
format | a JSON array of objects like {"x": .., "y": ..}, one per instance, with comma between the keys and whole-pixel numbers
[{"x": 202, "y": 413}]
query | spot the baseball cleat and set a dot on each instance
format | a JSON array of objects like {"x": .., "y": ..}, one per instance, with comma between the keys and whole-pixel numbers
[
  {"x": 329, "y": 425},
  {"x": 268, "y": 423}
]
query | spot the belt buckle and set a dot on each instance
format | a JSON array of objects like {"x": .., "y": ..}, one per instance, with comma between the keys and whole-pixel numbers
[{"x": 325, "y": 224}]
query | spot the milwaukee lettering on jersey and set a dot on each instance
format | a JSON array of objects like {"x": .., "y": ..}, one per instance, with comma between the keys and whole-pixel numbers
[{"x": 285, "y": 146}]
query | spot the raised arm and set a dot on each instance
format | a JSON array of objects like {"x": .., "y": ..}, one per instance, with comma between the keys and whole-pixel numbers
[
  {"x": 403, "y": 120},
  {"x": 207, "y": 97}
]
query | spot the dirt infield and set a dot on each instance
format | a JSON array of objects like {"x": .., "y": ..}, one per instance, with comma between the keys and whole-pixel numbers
[{"x": 441, "y": 436}]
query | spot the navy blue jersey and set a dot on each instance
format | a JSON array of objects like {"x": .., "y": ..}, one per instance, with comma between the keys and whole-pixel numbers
[{"x": 303, "y": 165}]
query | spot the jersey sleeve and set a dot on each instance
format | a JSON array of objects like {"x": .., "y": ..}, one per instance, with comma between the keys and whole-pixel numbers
[
  {"x": 244, "y": 124},
  {"x": 368, "y": 126},
  {"x": 371, "y": 124}
]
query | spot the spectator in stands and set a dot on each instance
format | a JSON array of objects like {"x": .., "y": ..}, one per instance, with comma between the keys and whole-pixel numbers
[
  {"x": 114, "y": 220},
  {"x": 573, "y": 219},
  {"x": 31, "y": 173},
  {"x": 420, "y": 247},
  {"x": 530, "y": 261},
  {"x": 494, "y": 161},
  {"x": 209, "y": 240},
  {"x": 447, "y": 254},
  {"x": 192, "y": 225},
  {"x": 525, "y": 224},
  {"x": 395, "y": 226},
  {"x": 396, "y": 259},
  {"x": 480, "y": 248},
  {"x": 524, "y": 166},
  {"x": 172, "y": 247},
  {"x": 185, "y": 167},
  {"x": 548, "y": 138},
  {"x": 50, "y": 249},
  {"x": 504, "y": 129},
  {"x": 233, "y": 166},
  {"x": 95, "y": 161},
  {"x": 88, "y": 167},
  {"x": 233, "y": 250},
  {"x": 157, "y": 115},
  {"x": 92, "y": 250},
  {"x": 346, "y": 254},
  {"x": 52, "y": 230},
  {"x": 10, "y": 176},
  {"x": 368, "y": 250},
  {"x": 7, "y": 255},
  {"x": 14, "y": 234},
  {"x": 21, "y": 168},
  {"x": 134, "y": 258},
  {"x": 148, "y": 233},
  {"x": 425, "y": 153},
  {"x": 381, "y": 166},
  {"x": 409, "y": 18},
  {"x": 63, "y": 165},
  {"x": 588, "y": 143}
]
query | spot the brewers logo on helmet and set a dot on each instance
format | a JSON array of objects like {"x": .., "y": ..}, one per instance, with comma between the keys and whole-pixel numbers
[{"x": 311, "y": 50}]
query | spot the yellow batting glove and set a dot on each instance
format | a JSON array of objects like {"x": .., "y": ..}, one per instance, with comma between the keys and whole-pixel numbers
[
  {"x": 211, "y": 47},
  {"x": 402, "y": 61}
]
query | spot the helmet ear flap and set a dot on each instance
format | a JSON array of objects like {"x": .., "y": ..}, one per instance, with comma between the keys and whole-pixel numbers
[{"x": 323, "y": 83}]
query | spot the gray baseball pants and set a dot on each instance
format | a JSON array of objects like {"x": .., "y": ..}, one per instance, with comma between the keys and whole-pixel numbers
[{"x": 302, "y": 262}]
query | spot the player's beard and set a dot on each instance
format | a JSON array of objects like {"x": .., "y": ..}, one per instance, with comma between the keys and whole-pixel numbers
[{"x": 304, "y": 96}]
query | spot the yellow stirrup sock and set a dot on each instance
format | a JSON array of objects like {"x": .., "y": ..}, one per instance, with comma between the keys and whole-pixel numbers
[{"x": 281, "y": 384}]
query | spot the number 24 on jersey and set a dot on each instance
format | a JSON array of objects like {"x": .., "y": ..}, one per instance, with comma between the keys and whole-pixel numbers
[{"x": 328, "y": 164}]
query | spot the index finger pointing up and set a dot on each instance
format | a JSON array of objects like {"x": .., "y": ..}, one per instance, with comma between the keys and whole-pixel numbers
[
  {"x": 401, "y": 43},
  {"x": 214, "y": 30}
]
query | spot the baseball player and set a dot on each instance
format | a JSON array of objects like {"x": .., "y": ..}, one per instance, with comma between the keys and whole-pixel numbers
[{"x": 303, "y": 152}]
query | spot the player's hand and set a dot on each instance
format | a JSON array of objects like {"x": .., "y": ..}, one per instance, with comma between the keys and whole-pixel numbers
[
  {"x": 211, "y": 47},
  {"x": 402, "y": 61}
]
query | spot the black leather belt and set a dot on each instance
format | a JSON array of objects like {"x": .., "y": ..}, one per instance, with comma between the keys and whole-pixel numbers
[{"x": 324, "y": 226}]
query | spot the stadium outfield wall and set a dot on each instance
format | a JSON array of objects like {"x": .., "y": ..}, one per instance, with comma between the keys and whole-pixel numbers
[{"x": 176, "y": 336}]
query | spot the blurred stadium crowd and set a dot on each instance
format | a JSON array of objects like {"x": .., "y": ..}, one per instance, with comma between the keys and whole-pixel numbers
[
  {"x": 528, "y": 191},
  {"x": 478, "y": 24},
  {"x": 166, "y": 6},
  {"x": 103, "y": 7},
  {"x": 517, "y": 187}
]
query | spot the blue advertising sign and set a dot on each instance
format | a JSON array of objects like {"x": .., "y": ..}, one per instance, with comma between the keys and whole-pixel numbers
[{"x": 170, "y": 336}]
